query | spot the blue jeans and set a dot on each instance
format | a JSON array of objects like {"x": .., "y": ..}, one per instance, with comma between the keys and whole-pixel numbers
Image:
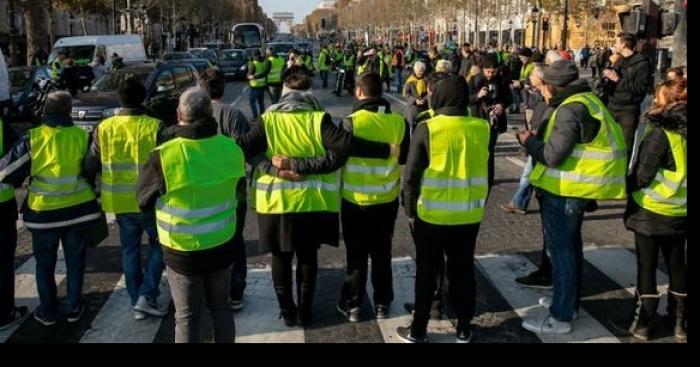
[
  {"x": 562, "y": 219},
  {"x": 522, "y": 197},
  {"x": 399, "y": 80},
  {"x": 45, "y": 243},
  {"x": 239, "y": 270},
  {"x": 257, "y": 99},
  {"x": 140, "y": 282},
  {"x": 517, "y": 98}
]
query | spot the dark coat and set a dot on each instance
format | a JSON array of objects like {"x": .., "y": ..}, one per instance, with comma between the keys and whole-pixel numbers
[{"x": 634, "y": 84}]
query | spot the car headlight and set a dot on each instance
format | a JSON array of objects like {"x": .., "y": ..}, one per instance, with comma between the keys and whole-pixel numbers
[
  {"x": 243, "y": 68},
  {"x": 109, "y": 112}
]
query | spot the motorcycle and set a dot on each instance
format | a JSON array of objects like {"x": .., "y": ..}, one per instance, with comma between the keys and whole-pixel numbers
[
  {"x": 38, "y": 97},
  {"x": 344, "y": 80}
]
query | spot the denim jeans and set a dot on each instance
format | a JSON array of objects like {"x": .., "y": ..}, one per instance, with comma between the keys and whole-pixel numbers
[
  {"x": 45, "y": 243},
  {"x": 140, "y": 282},
  {"x": 522, "y": 197},
  {"x": 257, "y": 100},
  {"x": 517, "y": 100},
  {"x": 239, "y": 270},
  {"x": 324, "y": 78},
  {"x": 562, "y": 219},
  {"x": 191, "y": 294},
  {"x": 399, "y": 80}
]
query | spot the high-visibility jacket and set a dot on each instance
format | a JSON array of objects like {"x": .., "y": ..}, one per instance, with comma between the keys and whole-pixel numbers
[
  {"x": 276, "y": 68},
  {"x": 595, "y": 170},
  {"x": 7, "y": 192},
  {"x": 57, "y": 155},
  {"x": 430, "y": 113},
  {"x": 363, "y": 68},
  {"x": 387, "y": 61},
  {"x": 198, "y": 211},
  {"x": 324, "y": 57},
  {"x": 56, "y": 68},
  {"x": 308, "y": 61},
  {"x": 668, "y": 192},
  {"x": 349, "y": 62},
  {"x": 526, "y": 70},
  {"x": 125, "y": 144},
  {"x": 374, "y": 181},
  {"x": 338, "y": 55},
  {"x": 260, "y": 80},
  {"x": 455, "y": 184},
  {"x": 296, "y": 134}
]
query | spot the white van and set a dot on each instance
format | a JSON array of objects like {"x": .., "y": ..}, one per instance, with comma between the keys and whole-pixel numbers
[{"x": 83, "y": 50}]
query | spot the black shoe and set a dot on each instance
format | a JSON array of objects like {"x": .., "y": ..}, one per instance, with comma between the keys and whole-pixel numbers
[
  {"x": 304, "y": 318},
  {"x": 410, "y": 307},
  {"x": 404, "y": 332},
  {"x": 290, "y": 317},
  {"x": 350, "y": 313},
  {"x": 43, "y": 319},
  {"x": 536, "y": 279},
  {"x": 75, "y": 315},
  {"x": 17, "y": 315},
  {"x": 591, "y": 207},
  {"x": 381, "y": 312},
  {"x": 464, "y": 336}
]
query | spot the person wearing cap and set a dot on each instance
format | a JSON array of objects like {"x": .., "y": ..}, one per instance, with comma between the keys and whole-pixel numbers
[
  {"x": 258, "y": 69},
  {"x": 525, "y": 56},
  {"x": 444, "y": 195},
  {"x": 580, "y": 156},
  {"x": 370, "y": 62}
]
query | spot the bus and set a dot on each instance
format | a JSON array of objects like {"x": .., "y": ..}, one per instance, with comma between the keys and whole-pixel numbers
[{"x": 248, "y": 36}]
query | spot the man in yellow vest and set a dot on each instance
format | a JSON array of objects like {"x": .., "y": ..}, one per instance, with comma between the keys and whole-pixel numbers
[
  {"x": 9, "y": 314},
  {"x": 580, "y": 157},
  {"x": 191, "y": 182},
  {"x": 274, "y": 77},
  {"x": 295, "y": 218},
  {"x": 444, "y": 195},
  {"x": 370, "y": 200},
  {"x": 60, "y": 207},
  {"x": 525, "y": 56},
  {"x": 325, "y": 61},
  {"x": 119, "y": 150},
  {"x": 258, "y": 69}
]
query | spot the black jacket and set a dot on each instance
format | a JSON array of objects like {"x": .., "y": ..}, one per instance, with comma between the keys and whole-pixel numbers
[
  {"x": 573, "y": 125},
  {"x": 655, "y": 153},
  {"x": 8, "y": 209},
  {"x": 151, "y": 186},
  {"x": 633, "y": 85},
  {"x": 466, "y": 64},
  {"x": 481, "y": 107},
  {"x": 514, "y": 67}
]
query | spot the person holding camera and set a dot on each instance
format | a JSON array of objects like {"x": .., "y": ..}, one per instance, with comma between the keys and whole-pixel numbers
[{"x": 490, "y": 99}]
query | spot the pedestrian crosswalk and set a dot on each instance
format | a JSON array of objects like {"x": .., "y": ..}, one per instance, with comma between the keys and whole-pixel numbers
[{"x": 609, "y": 277}]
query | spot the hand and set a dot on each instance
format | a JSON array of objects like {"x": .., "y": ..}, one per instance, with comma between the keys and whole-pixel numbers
[
  {"x": 251, "y": 77},
  {"x": 524, "y": 135},
  {"x": 395, "y": 151},
  {"x": 516, "y": 84},
  {"x": 290, "y": 176},
  {"x": 483, "y": 93},
  {"x": 281, "y": 162},
  {"x": 498, "y": 110},
  {"x": 420, "y": 101},
  {"x": 611, "y": 74}
]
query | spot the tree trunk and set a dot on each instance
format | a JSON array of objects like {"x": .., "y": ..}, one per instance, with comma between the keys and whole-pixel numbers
[
  {"x": 680, "y": 42},
  {"x": 35, "y": 27},
  {"x": 82, "y": 22}
]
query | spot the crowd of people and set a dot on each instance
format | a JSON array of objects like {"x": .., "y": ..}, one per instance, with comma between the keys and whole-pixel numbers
[{"x": 186, "y": 186}]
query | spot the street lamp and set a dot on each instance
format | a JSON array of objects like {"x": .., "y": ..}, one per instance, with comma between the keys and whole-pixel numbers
[{"x": 533, "y": 16}]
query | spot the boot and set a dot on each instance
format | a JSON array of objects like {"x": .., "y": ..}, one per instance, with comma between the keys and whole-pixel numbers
[
  {"x": 288, "y": 309},
  {"x": 677, "y": 314},
  {"x": 643, "y": 315},
  {"x": 305, "y": 295}
]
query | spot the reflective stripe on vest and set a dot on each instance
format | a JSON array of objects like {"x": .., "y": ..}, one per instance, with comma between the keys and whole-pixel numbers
[
  {"x": 455, "y": 184},
  {"x": 276, "y": 67},
  {"x": 7, "y": 192},
  {"x": 595, "y": 170},
  {"x": 198, "y": 211},
  {"x": 296, "y": 134},
  {"x": 260, "y": 80},
  {"x": 57, "y": 154},
  {"x": 668, "y": 192},
  {"x": 125, "y": 145},
  {"x": 374, "y": 181}
]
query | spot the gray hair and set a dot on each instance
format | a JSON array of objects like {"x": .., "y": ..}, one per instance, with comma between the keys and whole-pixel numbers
[
  {"x": 419, "y": 66},
  {"x": 195, "y": 104},
  {"x": 552, "y": 57},
  {"x": 537, "y": 75},
  {"x": 443, "y": 66},
  {"x": 58, "y": 103}
]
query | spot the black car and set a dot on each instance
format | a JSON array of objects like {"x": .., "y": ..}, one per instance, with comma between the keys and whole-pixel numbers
[
  {"x": 233, "y": 63},
  {"x": 23, "y": 91},
  {"x": 164, "y": 85},
  {"x": 199, "y": 64}
]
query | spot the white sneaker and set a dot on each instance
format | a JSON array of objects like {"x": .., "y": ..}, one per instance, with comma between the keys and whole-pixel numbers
[
  {"x": 546, "y": 302},
  {"x": 546, "y": 324},
  {"x": 138, "y": 315}
]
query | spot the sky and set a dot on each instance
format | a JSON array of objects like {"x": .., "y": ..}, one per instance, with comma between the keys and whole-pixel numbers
[{"x": 300, "y": 8}]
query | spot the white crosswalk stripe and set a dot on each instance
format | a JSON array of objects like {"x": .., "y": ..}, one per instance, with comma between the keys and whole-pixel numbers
[{"x": 258, "y": 322}]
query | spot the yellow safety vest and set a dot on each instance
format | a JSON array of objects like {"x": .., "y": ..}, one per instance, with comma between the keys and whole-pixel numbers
[
  {"x": 260, "y": 80},
  {"x": 455, "y": 184},
  {"x": 57, "y": 155},
  {"x": 7, "y": 192},
  {"x": 198, "y": 211},
  {"x": 363, "y": 68},
  {"x": 277, "y": 66},
  {"x": 526, "y": 70},
  {"x": 125, "y": 144},
  {"x": 595, "y": 170},
  {"x": 296, "y": 134},
  {"x": 322, "y": 57},
  {"x": 374, "y": 181},
  {"x": 668, "y": 192}
]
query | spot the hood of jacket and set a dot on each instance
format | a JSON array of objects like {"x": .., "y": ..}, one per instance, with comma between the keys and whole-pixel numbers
[
  {"x": 200, "y": 129},
  {"x": 576, "y": 87},
  {"x": 372, "y": 105},
  {"x": 673, "y": 119},
  {"x": 450, "y": 97}
]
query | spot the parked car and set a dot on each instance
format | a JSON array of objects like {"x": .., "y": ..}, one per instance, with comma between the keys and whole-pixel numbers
[
  {"x": 164, "y": 84},
  {"x": 304, "y": 47},
  {"x": 199, "y": 64},
  {"x": 172, "y": 56},
  {"x": 24, "y": 82},
  {"x": 233, "y": 63},
  {"x": 204, "y": 54},
  {"x": 282, "y": 49}
]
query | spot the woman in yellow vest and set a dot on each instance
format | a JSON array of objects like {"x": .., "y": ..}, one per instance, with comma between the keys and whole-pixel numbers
[
  {"x": 444, "y": 195},
  {"x": 657, "y": 210},
  {"x": 298, "y": 214}
]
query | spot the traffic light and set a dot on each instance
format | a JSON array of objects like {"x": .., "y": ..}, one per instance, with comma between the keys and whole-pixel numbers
[
  {"x": 634, "y": 22},
  {"x": 545, "y": 24}
]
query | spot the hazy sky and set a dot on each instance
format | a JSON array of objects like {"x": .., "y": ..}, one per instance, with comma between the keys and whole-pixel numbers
[{"x": 300, "y": 8}]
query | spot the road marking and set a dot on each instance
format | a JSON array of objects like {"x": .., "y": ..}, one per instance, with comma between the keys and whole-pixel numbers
[
  {"x": 391, "y": 97},
  {"x": 518, "y": 162}
]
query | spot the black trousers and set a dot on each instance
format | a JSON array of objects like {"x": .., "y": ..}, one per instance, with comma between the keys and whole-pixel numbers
[
  {"x": 8, "y": 245},
  {"x": 368, "y": 233},
  {"x": 239, "y": 270},
  {"x": 307, "y": 270},
  {"x": 628, "y": 120},
  {"x": 324, "y": 78},
  {"x": 492, "y": 156},
  {"x": 433, "y": 242},
  {"x": 673, "y": 249}
]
